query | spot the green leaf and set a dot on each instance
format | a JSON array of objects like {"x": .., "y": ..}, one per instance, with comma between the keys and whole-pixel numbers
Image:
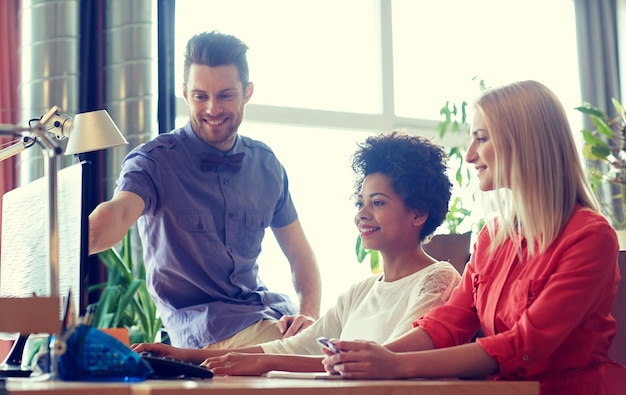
[
  {"x": 591, "y": 139},
  {"x": 107, "y": 300},
  {"x": 599, "y": 152},
  {"x": 125, "y": 300},
  {"x": 445, "y": 111},
  {"x": 455, "y": 127},
  {"x": 360, "y": 251},
  {"x": 374, "y": 261},
  {"x": 603, "y": 127},
  {"x": 590, "y": 109},
  {"x": 464, "y": 113},
  {"x": 116, "y": 265},
  {"x": 620, "y": 110},
  {"x": 127, "y": 250}
]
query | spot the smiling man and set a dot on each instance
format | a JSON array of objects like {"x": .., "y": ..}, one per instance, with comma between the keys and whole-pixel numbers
[{"x": 202, "y": 197}]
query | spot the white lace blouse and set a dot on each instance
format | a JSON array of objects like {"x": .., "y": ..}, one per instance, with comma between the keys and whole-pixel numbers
[{"x": 375, "y": 310}]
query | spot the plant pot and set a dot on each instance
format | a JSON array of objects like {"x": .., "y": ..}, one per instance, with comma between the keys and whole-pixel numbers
[{"x": 120, "y": 334}]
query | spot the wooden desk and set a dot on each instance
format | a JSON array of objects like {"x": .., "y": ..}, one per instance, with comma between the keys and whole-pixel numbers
[
  {"x": 29, "y": 387},
  {"x": 226, "y": 385}
]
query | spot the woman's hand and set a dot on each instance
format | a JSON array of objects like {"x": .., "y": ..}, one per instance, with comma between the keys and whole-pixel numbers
[
  {"x": 239, "y": 364},
  {"x": 361, "y": 360}
]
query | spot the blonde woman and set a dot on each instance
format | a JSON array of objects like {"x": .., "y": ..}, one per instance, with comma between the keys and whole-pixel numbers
[{"x": 543, "y": 274}]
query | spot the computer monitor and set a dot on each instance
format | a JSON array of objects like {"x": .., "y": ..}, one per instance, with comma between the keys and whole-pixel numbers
[{"x": 25, "y": 265}]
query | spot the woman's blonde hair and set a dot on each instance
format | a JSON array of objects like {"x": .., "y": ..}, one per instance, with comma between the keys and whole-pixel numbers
[{"x": 538, "y": 170}]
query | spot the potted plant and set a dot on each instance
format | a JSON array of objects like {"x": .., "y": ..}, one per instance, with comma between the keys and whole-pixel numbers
[
  {"x": 124, "y": 300},
  {"x": 453, "y": 243},
  {"x": 605, "y": 151},
  {"x": 455, "y": 122}
]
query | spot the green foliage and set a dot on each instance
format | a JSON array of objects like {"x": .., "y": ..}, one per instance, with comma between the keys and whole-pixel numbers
[
  {"x": 124, "y": 301},
  {"x": 454, "y": 121},
  {"x": 362, "y": 253},
  {"x": 605, "y": 149},
  {"x": 456, "y": 215}
]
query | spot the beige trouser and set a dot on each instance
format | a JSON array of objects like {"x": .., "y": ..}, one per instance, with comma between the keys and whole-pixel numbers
[{"x": 260, "y": 332}]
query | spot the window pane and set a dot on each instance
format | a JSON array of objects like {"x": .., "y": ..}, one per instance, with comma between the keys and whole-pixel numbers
[
  {"x": 321, "y": 183},
  {"x": 440, "y": 46},
  {"x": 320, "y": 55}
]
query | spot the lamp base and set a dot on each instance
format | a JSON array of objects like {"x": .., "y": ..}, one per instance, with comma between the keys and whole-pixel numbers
[
  {"x": 12, "y": 365},
  {"x": 14, "y": 371}
]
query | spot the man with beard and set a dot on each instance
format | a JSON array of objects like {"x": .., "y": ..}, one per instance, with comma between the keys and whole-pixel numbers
[{"x": 202, "y": 197}]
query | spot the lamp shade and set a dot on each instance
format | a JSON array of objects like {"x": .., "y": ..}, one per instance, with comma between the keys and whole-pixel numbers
[{"x": 93, "y": 131}]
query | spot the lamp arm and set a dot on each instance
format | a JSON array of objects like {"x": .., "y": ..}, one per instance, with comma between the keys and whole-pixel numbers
[
  {"x": 13, "y": 130},
  {"x": 38, "y": 133},
  {"x": 16, "y": 148}
]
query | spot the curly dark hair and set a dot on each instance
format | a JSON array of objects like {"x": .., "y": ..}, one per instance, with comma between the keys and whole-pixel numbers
[{"x": 416, "y": 167}]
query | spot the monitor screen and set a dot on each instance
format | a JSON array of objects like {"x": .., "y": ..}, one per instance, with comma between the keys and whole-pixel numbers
[{"x": 25, "y": 265}]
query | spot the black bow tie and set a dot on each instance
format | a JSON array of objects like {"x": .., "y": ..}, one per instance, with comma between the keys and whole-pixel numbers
[{"x": 211, "y": 161}]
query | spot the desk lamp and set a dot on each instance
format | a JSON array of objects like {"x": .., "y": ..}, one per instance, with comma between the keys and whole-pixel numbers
[{"x": 89, "y": 131}]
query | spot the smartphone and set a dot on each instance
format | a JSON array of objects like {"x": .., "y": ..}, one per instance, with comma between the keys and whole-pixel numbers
[{"x": 327, "y": 344}]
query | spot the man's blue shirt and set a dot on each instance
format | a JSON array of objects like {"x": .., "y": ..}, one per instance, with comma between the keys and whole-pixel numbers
[{"x": 201, "y": 233}]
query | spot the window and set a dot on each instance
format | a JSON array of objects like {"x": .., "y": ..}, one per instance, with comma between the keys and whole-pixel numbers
[
  {"x": 329, "y": 73},
  {"x": 297, "y": 44},
  {"x": 440, "y": 47}
]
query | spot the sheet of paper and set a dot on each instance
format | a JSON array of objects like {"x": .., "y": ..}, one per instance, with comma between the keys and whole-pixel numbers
[{"x": 302, "y": 375}]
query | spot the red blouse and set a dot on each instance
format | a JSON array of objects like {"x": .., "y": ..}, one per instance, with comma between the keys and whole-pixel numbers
[{"x": 546, "y": 318}]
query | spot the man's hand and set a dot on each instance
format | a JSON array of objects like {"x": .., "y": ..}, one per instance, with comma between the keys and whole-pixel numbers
[
  {"x": 290, "y": 325},
  {"x": 163, "y": 350}
]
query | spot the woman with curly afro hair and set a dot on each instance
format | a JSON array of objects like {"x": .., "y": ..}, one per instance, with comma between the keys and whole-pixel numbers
[{"x": 402, "y": 195}]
